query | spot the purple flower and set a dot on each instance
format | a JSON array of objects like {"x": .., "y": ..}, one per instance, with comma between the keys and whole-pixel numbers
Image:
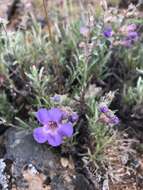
[
  {"x": 130, "y": 39},
  {"x": 132, "y": 36},
  {"x": 56, "y": 98},
  {"x": 126, "y": 43},
  {"x": 108, "y": 32},
  {"x": 114, "y": 120},
  {"x": 53, "y": 129},
  {"x": 103, "y": 109},
  {"x": 131, "y": 27},
  {"x": 74, "y": 117}
]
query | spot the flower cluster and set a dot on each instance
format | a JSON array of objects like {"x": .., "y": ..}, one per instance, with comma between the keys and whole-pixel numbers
[
  {"x": 55, "y": 127},
  {"x": 131, "y": 36},
  {"x": 128, "y": 35},
  {"x": 108, "y": 116}
]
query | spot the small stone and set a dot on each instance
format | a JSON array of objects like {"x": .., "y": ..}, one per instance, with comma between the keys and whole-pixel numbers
[{"x": 64, "y": 162}]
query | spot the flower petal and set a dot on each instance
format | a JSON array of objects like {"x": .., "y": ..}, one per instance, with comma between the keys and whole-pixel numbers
[
  {"x": 54, "y": 139},
  {"x": 132, "y": 35},
  {"x": 108, "y": 32},
  {"x": 132, "y": 27},
  {"x": 43, "y": 116},
  {"x": 39, "y": 135},
  {"x": 66, "y": 129},
  {"x": 55, "y": 114}
]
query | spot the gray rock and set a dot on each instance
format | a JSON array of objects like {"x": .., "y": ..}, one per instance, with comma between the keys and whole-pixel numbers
[
  {"x": 24, "y": 151},
  {"x": 3, "y": 177}
]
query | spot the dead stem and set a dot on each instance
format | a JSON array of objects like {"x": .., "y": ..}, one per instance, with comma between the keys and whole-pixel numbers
[
  {"x": 57, "y": 70},
  {"x": 47, "y": 19}
]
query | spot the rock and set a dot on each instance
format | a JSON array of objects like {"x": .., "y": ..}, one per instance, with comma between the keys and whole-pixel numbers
[
  {"x": 3, "y": 177},
  {"x": 24, "y": 152},
  {"x": 82, "y": 183}
]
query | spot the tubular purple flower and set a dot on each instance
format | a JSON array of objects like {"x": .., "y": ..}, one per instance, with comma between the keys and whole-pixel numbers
[
  {"x": 108, "y": 32},
  {"x": 53, "y": 130},
  {"x": 56, "y": 98},
  {"x": 126, "y": 43},
  {"x": 114, "y": 120},
  {"x": 74, "y": 117},
  {"x": 132, "y": 36},
  {"x": 103, "y": 109}
]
